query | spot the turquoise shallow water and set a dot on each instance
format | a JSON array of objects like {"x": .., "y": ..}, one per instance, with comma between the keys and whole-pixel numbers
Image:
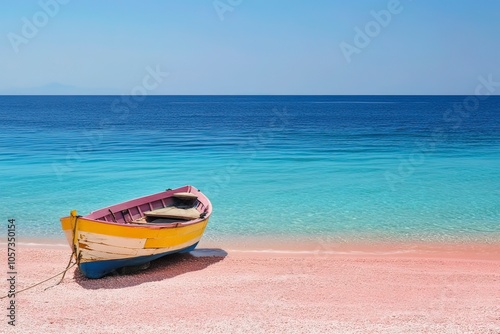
[{"x": 352, "y": 167}]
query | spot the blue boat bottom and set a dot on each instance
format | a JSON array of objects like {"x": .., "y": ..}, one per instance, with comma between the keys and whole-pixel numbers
[{"x": 100, "y": 269}]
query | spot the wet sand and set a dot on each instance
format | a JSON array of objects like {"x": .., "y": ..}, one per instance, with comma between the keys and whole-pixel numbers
[{"x": 279, "y": 288}]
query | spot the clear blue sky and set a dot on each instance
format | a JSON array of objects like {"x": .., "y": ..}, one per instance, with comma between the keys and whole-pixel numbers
[{"x": 261, "y": 47}]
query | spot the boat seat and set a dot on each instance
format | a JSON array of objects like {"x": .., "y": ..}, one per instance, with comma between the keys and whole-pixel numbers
[
  {"x": 185, "y": 195},
  {"x": 174, "y": 212}
]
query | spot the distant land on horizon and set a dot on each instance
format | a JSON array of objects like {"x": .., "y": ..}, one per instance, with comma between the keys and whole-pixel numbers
[{"x": 55, "y": 88}]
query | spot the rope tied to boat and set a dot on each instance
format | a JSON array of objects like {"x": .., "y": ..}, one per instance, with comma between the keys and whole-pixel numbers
[
  {"x": 68, "y": 267},
  {"x": 63, "y": 273}
]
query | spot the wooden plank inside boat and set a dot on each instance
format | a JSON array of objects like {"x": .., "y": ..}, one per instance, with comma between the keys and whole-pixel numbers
[{"x": 174, "y": 212}]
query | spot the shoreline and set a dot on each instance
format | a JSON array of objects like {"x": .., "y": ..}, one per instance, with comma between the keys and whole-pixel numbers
[{"x": 297, "y": 247}]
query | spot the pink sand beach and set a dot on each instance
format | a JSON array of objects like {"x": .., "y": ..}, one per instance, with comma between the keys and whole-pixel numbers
[{"x": 273, "y": 288}]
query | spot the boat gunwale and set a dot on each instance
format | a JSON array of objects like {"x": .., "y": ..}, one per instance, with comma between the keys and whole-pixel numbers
[
  {"x": 150, "y": 225},
  {"x": 148, "y": 199}
]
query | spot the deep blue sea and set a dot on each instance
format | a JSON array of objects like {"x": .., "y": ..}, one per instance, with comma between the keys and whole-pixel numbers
[{"x": 346, "y": 167}]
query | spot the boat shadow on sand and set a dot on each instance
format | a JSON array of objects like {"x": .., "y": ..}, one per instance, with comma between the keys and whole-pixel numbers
[{"x": 161, "y": 269}]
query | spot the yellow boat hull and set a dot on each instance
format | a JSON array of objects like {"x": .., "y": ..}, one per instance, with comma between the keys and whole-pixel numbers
[
  {"x": 113, "y": 237},
  {"x": 94, "y": 242}
]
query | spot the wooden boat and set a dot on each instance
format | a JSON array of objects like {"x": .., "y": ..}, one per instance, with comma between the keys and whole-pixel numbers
[{"x": 136, "y": 232}]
